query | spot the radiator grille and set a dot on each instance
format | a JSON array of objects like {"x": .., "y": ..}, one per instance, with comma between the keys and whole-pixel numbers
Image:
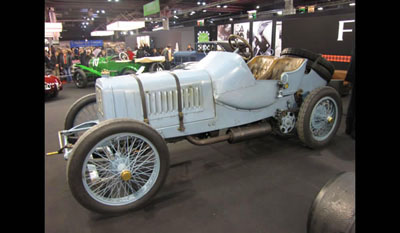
[{"x": 161, "y": 102}]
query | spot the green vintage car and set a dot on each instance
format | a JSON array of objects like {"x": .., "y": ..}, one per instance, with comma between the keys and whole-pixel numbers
[{"x": 115, "y": 65}]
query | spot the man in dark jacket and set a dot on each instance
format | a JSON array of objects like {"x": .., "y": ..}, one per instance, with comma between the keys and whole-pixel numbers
[{"x": 351, "y": 113}]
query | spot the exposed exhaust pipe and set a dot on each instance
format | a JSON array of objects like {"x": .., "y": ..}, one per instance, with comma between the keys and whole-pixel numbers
[{"x": 234, "y": 135}]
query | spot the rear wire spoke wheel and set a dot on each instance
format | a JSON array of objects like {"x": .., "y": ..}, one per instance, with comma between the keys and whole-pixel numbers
[
  {"x": 319, "y": 117},
  {"x": 117, "y": 165},
  {"x": 82, "y": 110}
]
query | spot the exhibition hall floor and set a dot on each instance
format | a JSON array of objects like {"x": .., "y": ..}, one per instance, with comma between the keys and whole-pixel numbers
[{"x": 261, "y": 185}]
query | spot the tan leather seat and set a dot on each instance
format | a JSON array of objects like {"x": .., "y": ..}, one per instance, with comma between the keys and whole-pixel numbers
[{"x": 271, "y": 68}]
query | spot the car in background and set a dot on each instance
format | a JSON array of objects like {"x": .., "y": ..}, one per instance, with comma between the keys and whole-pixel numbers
[
  {"x": 52, "y": 85},
  {"x": 186, "y": 59},
  {"x": 115, "y": 65}
]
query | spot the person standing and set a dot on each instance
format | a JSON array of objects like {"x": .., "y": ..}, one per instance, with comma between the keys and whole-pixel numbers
[
  {"x": 351, "y": 113},
  {"x": 66, "y": 64},
  {"x": 189, "y": 47},
  {"x": 168, "y": 57},
  {"x": 54, "y": 63},
  {"x": 130, "y": 53}
]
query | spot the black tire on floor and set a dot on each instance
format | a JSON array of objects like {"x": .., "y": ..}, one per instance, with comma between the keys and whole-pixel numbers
[
  {"x": 89, "y": 140},
  {"x": 80, "y": 78},
  {"x": 156, "y": 67},
  {"x": 128, "y": 71},
  {"x": 76, "y": 107},
  {"x": 325, "y": 94},
  {"x": 303, "y": 53}
]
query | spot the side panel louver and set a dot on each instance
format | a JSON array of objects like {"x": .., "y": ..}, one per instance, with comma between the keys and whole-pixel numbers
[{"x": 166, "y": 101}]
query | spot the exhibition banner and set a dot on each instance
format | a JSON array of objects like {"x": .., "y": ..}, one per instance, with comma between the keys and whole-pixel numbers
[
  {"x": 262, "y": 38},
  {"x": 151, "y": 8},
  {"x": 242, "y": 30},
  {"x": 224, "y": 31},
  {"x": 86, "y": 43}
]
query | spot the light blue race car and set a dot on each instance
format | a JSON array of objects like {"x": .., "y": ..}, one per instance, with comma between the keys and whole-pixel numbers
[{"x": 119, "y": 160}]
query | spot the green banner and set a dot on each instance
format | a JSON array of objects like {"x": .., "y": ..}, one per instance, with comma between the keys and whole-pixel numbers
[{"x": 151, "y": 8}]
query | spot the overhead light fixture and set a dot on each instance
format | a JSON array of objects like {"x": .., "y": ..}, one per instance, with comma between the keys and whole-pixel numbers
[
  {"x": 116, "y": 0},
  {"x": 218, "y": 6},
  {"x": 204, "y": 3},
  {"x": 192, "y": 13},
  {"x": 176, "y": 17},
  {"x": 198, "y": 3},
  {"x": 320, "y": 8},
  {"x": 174, "y": 11},
  {"x": 103, "y": 11},
  {"x": 204, "y": 10},
  {"x": 279, "y": 12},
  {"x": 92, "y": 19},
  {"x": 352, "y": 4},
  {"x": 102, "y": 33},
  {"x": 125, "y": 25},
  {"x": 225, "y": 6},
  {"x": 230, "y": 19},
  {"x": 257, "y": 7}
]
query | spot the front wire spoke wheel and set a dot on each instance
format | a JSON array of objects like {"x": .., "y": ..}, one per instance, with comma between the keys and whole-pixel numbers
[{"x": 115, "y": 181}]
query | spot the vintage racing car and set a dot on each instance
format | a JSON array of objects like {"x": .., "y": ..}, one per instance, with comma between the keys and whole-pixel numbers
[
  {"x": 52, "y": 85},
  {"x": 119, "y": 160},
  {"x": 115, "y": 65}
]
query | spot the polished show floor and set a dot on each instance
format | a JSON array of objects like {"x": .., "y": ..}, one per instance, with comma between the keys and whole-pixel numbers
[{"x": 261, "y": 185}]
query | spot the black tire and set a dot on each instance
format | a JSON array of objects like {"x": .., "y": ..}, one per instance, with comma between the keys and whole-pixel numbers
[
  {"x": 320, "y": 70},
  {"x": 303, "y": 125},
  {"x": 128, "y": 71},
  {"x": 89, "y": 140},
  {"x": 77, "y": 107},
  {"x": 80, "y": 79},
  {"x": 303, "y": 53},
  {"x": 156, "y": 67}
]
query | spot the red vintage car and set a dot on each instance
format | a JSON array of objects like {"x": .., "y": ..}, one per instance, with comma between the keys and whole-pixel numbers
[{"x": 52, "y": 85}]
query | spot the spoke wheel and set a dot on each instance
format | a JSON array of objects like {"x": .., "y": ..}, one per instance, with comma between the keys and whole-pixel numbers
[
  {"x": 319, "y": 117},
  {"x": 82, "y": 110},
  {"x": 117, "y": 165},
  {"x": 120, "y": 169}
]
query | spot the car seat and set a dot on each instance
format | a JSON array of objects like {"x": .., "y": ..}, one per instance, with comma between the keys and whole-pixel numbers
[{"x": 271, "y": 68}]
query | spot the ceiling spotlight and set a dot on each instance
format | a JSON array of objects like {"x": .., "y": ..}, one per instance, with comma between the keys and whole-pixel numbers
[
  {"x": 204, "y": 3},
  {"x": 174, "y": 11},
  {"x": 176, "y": 17},
  {"x": 192, "y": 13},
  {"x": 198, "y": 3},
  {"x": 103, "y": 11},
  {"x": 174, "y": 22},
  {"x": 116, "y": 0},
  {"x": 257, "y": 7},
  {"x": 352, "y": 4},
  {"x": 225, "y": 6},
  {"x": 92, "y": 18},
  {"x": 230, "y": 19},
  {"x": 218, "y": 6},
  {"x": 320, "y": 8},
  {"x": 97, "y": 11},
  {"x": 279, "y": 12},
  {"x": 204, "y": 10},
  {"x": 109, "y": 0}
]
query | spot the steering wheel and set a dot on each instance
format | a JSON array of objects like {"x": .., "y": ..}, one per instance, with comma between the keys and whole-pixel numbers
[
  {"x": 123, "y": 56},
  {"x": 239, "y": 48}
]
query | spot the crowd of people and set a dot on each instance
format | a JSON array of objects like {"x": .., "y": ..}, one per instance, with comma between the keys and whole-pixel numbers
[{"x": 59, "y": 61}]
